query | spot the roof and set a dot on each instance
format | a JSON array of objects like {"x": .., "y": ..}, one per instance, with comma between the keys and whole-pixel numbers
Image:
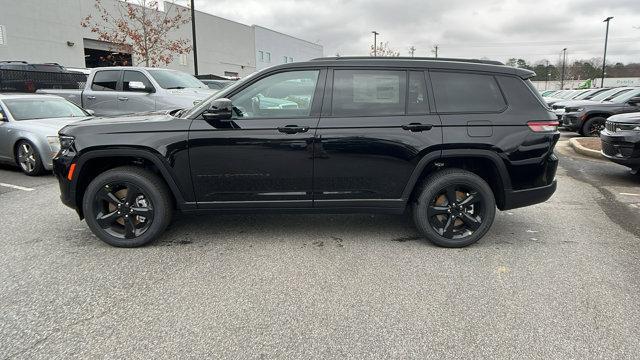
[
  {"x": 431, "y": 63},
  {"x": 28, "y": 96}
]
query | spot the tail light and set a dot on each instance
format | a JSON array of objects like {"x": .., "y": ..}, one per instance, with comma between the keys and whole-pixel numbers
[{"x": 543, "y": 126}]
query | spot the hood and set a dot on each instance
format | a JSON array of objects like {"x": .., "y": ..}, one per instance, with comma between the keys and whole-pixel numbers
[
  {"x": 573, "y": 103},
  {"x": 141, "y": 122},
  {"x": 48, "y": 125},
  {"x": 125, "y": 119},
  {"x": 629, "y": 118},
  {"x": 193, "y": 93}
]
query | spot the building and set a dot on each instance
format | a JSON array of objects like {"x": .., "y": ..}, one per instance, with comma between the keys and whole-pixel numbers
[{"x": 49, "y": 31}]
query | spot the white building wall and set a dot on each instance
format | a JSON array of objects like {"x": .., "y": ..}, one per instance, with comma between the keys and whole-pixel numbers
[
  {"x": 272, "y": 47},
  {"x": 37, "y": 31}
]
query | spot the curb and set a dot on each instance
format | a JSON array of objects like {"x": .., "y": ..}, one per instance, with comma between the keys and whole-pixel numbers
[{"x": 575, "y": 144}]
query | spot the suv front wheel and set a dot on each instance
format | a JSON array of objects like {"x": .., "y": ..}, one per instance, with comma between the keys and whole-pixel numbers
[
  {"x": 127, "y": 206},
  {"x": 454, "y": 208}
]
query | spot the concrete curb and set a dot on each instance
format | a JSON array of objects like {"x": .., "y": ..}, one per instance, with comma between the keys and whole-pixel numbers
[{"x": 575, "y": 144}]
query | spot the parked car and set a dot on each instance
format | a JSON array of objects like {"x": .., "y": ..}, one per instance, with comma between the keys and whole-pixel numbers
[
  {"x": 217, "y": 84},
  {"x": 29, "y": 126},
  {"x": 115, "y": 91},
  {"x": 548, "y": 93},
  {"x": 604, "y": 95},
  {"x": 621, "y": 140},
  {"x": 589, "y": 119},
  {"x": 450, "y": 140},
  {"x": 23, "y": 77},
  {"x": 566, "y": 95}
]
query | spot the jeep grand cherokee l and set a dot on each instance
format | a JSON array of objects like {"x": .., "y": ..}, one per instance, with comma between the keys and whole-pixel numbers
[{"x": 450, "y": 140}]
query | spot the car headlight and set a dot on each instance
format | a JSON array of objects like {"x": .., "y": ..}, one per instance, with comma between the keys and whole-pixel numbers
[
  {"x": 66, "y": 143},
  {"x": 54, "y": 145},
  {"x": 627, "y": 127}
]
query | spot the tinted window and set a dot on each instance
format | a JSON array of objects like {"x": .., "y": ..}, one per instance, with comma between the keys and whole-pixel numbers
[
  {"x": 417, "y": 97},
  {"x": 105, "y": 80},
  {"x": 130, "y": 76},
  {"x": 288, "y": 94},
  {"x": 368, "y": 92},
  {"x": 465, "y": 92}
]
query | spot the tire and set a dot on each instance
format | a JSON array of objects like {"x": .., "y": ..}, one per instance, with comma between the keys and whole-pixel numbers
[
  {"x": 144, "y": 211},
  {"x": 28, "y": 158},
  {"x": 434, "y": 213},
  {"x": 593, "y": 126}
]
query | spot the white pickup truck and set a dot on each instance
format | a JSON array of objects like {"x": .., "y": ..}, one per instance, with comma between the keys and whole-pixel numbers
[{"x": 112, "y": 91}]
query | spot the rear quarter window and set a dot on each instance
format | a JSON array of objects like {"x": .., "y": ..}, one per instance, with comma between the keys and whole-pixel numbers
[
  {"x": 457, "y": 92},
  {"x": 520, "y": 93}
]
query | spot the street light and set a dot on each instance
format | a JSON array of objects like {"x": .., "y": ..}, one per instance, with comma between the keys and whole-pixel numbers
[
  {"x": 375, "y": 42},
  {"x": 564, "y": 62},
  {"x": 604, "y": 58}
]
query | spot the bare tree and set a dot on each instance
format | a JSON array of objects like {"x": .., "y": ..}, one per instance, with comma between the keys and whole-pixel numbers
[
  {"x": 142, "y": 29},
  {"x": 383, "y": 49}
]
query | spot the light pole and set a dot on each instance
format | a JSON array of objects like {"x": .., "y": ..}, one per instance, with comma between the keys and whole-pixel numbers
[
  {"x": 193, "y": 34},
  {"x": 564, "y": 62},
  {"x": 604, "y": 58},
  {"x": 546, "y": 80},
  {"x": 375, "y": 42}
]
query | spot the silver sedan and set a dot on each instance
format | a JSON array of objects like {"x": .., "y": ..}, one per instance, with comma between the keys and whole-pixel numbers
[{"x": 29, "y": 126}]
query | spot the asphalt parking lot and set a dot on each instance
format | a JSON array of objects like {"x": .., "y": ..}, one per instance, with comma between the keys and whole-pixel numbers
[{"x": 555, "y": 280}]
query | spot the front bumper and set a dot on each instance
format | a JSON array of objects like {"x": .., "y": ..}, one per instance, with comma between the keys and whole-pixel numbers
[
  {"x": 571, "y": 121},
  {"x": 61, "y": 167},
  {"x": 621, "y": 147}
]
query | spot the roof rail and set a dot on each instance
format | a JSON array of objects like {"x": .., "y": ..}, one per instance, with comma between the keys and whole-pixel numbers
[{"x": 476, "y": 61}]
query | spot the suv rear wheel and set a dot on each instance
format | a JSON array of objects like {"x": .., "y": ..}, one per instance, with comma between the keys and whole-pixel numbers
[
  {"x": 127, "y": 206},
  {"x": 454, "y": 208},
  {"x": 593, "y": 126}
]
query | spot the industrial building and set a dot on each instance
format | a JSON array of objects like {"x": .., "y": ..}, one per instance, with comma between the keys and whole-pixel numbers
[{"x": 39, "y": 31}]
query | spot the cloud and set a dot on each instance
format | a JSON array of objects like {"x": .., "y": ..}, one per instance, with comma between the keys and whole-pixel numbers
[{"x": 497, "y": 29}]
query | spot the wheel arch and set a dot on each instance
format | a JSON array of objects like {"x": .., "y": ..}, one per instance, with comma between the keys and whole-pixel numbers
[
  {"x": 94, "y": 162},
  {"x": 485, "y": 163}
]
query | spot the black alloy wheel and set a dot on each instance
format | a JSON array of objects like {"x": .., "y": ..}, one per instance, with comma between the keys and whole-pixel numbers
[
  {"x": 456, "y": 212},
  {"x": 454, "y": 208},
  {"x": 123, "y": 210},
  {"x": 127, "y": 206},
  {"x": 594, "y": 126}
]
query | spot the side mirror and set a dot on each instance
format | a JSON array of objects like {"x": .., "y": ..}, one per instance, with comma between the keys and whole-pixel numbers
[
  {"x": 634, "y": 101},
  {"x": 90, "y": 112},
  {"x": 139, "y": 86},
  {"x": 219, "y": 110}
]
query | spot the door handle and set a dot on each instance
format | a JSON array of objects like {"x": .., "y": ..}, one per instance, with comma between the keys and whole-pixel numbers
[
  {"x": 417, "y": 127},
  {"x": 122, "y": 98},
  {"x": 91, "y": 97},
  {"x": 293, "y": 129}
]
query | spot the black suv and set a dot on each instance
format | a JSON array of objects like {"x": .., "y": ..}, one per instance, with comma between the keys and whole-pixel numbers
[{"x": 449, "y": 140}]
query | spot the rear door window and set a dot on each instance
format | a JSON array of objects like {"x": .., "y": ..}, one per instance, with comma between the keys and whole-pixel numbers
[
  {"x": 466, "y": 92},
  {"x": 417, "y": 96},
  {"x": 369, "y": 93},
  {"x": 106, "y": 80}
]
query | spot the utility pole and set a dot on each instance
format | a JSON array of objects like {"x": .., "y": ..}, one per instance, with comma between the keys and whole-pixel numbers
[
  {"x": 375, "y": 43},
  {"x": 412, "y": 50},
  {"x": 546, "y": 80},
  {"x": 435, "y": 50},
  {"x": 564, "y": 62},
  {"x": 193, "y": 34},
  {"x": 604, "y": 58}
]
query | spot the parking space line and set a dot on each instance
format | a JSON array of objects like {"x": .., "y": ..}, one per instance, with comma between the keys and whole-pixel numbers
[
  {"x": 630, "y": 194},
  {"x": 16, "y": 187}
]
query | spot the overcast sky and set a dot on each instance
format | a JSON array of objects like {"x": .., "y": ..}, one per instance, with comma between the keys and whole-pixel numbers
[{"x": 500, "y": 29}]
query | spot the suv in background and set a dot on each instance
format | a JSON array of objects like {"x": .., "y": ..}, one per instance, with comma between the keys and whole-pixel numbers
[
  {"x": 21, "y": 76},
  {"x": 450, "y": 140},
  {"x": 588, "y": 119}
]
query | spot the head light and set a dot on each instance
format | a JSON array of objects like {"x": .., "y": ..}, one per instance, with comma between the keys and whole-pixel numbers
[
  {"x": 627, "y": 127},
  {"x": 54, "y": 145},
  {"x": 66, "y": 142}
]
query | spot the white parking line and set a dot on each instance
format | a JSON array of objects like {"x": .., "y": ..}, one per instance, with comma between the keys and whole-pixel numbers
[
  {"x": 630, "y": 194},
  {"x": 16, "y": 187}
]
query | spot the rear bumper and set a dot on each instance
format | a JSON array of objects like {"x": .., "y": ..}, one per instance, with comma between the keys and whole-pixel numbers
[{"x": 521, "y": 198}]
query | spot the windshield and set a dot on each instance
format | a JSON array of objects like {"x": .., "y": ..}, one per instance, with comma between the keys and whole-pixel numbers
[
  {"x": 30, "y": 109},
  {"x": 626, "y": 96},
  {"x": 608, "y": 95},
  {"x": 168, "y": 79}
]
